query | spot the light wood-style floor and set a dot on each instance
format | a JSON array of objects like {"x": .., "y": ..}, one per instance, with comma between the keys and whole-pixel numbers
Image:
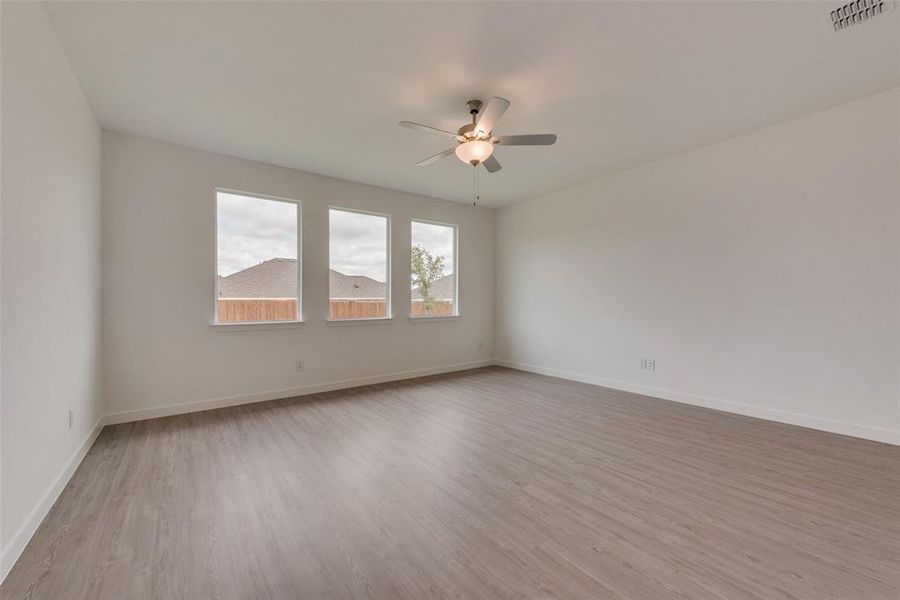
[{"x": 485, "y": 484}]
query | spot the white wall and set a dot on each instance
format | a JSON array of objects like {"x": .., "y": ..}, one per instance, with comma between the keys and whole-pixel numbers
[
  {"x": 761, "y": 273},
  {"x": 159, "y": 276},
  {"x": 50, "y": 273}
]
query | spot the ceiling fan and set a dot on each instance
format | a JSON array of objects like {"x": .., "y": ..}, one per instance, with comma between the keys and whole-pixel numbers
[{"x": 475, "y": 141}]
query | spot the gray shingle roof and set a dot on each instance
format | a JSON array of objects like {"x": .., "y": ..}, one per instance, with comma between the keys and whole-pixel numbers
[
  {"x": 277, "y": 278},
  {"x": 442, "y": 289},
  {"x": 354, "y": 286}
]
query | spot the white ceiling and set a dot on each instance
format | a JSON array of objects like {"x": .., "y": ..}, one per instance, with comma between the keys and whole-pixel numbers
[{"x": 321, "y": 86}]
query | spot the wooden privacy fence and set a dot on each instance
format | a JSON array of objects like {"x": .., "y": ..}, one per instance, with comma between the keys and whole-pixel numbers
[
  {"x": 440, "y": 309},
  {"x": 365, "y": 308},
  {"x": 242, "y": 310},
  {"x": 357, "y": 309}
]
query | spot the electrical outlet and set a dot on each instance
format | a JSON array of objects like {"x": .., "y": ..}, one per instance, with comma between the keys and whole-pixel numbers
[
  {"x": 71, "y": 419},
  {"x": 648, "y": 364},
  {"x": 299, "y": 365}
]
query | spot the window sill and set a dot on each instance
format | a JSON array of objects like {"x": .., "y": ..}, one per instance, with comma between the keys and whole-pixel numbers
[
  {"x": 372, "y": 321},
  {"x": 433, "y": 319},
  {"x": 254, "y": 325}
]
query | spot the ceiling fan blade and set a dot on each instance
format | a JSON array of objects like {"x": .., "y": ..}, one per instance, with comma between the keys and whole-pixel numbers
[
  {"x": 537, "y": 139},
  {"x": 427, "y": 129},
  {"x": 488, "y": 118},
  {"x": 437, "y": 156},
  {"x": 492, "y": 164}
]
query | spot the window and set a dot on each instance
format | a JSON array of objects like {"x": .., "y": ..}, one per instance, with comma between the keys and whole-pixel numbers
[
  {"x": 257, "y": 259},
  {"x": 359, "y": 273},
  {"x": 433, "y": 270}
]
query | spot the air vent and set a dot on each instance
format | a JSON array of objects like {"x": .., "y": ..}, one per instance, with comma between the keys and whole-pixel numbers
[{"x": 856, "y": 12}]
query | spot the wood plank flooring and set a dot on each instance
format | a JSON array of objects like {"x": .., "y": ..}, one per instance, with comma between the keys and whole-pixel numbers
[{"x": 489, "y": 483}]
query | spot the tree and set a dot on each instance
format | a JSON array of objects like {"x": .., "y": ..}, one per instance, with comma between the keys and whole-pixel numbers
[{"x": 426, "y": 269}]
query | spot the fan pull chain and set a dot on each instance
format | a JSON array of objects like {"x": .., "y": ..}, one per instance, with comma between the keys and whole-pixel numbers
[{"x": 476, "y": 188}]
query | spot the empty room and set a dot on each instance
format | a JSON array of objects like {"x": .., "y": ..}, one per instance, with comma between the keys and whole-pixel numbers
[{"x": 429, "y": 299}]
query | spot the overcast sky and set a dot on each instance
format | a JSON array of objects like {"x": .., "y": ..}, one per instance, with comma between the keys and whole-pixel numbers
[
  {"x": 437, "y": 239},
  {"x": 253, "y": 230},
  {"x": 358, "y": 244}
]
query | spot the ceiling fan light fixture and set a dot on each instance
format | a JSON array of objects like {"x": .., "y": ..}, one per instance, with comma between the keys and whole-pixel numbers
[
  {"x": 475, "y": 152},
  {"x": 475, "y": 140}
]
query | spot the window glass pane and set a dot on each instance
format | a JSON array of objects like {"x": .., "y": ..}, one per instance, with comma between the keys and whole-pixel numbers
[
  {"x": 257, "y": 259},
  {"x": 433, "y": 270},
  {"x": 358, "y": 274}
]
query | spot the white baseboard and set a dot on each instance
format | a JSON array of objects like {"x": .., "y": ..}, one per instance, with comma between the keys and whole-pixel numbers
[
  {"x": 20, "y": 539},
  {"x": 199, "y": 405},
  {"x": 830, "y": 425}
]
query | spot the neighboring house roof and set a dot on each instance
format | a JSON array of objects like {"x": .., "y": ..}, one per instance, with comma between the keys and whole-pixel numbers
[
  {"x": 441, "y": 289},
  {"x": 354, "y": 286},
  {"x": 277, "y": 278}
]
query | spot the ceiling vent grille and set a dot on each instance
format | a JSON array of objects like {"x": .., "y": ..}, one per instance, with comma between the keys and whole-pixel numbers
[{"x": 856, "y": 12}]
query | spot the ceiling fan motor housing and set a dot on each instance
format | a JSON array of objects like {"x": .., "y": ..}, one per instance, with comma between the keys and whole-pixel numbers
[{"x": 467, "y": 130}]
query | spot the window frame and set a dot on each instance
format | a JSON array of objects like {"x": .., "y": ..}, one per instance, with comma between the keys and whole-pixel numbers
[
  {"x": 456, "y": 307},
  {"x": 298, "y": 205},
  {"x": 387, "y": 273}
]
